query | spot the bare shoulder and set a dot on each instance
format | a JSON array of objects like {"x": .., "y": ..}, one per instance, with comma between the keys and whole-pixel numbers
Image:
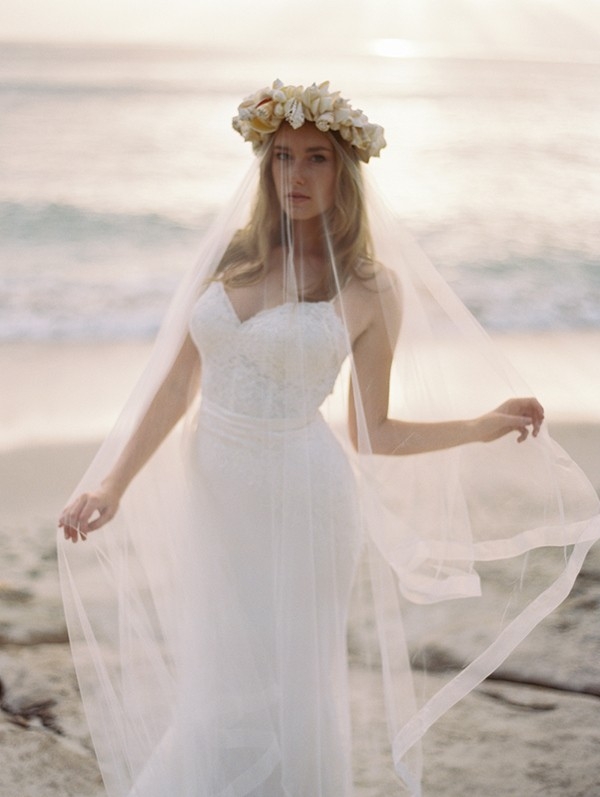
[
  {"x": 381, "y": 285},
  {"x": 374, "y": 301},
  {"x": 377, "y": 293}
]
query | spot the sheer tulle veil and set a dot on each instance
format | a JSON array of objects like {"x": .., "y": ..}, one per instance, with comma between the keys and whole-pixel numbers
[{"x": 455, "y": 555}]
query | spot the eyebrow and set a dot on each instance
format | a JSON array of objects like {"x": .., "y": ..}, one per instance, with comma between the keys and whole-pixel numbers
[{"x": 319, "y": 148}]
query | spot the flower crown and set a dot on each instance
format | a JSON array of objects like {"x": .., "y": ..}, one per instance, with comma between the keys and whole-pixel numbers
[{"x": 261, "y": 114}]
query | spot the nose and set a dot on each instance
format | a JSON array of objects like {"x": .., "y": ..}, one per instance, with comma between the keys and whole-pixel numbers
[{"x": 297, "y": 172}]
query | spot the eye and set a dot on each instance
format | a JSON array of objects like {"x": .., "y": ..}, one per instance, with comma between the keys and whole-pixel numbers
[
  {"x": 319, "y": 159},
  {"x": 282, "y": 156}
]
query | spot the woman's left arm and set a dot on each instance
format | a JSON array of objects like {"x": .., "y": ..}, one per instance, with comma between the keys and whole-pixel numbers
[{"x": 373, "y": 353}]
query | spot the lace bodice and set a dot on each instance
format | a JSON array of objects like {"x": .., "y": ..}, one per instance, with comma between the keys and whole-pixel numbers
[{"x": 280, "y": 363}]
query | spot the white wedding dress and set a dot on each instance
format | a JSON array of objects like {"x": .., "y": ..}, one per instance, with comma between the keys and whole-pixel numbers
[
  {"x": 277, "y": 517},
  {"x": 208, "y": 620}
]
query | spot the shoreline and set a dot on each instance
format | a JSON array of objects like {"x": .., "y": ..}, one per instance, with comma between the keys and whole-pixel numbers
[
  {"x": 70, "y": 394},
  {"x": 74, "y": 391}
]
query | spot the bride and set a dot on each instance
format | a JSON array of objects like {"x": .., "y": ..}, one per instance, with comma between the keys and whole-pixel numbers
[{"x": 208, "y": 621}]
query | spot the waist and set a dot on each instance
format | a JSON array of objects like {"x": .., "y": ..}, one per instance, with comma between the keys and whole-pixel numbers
[{"x": 211, "y": 414}]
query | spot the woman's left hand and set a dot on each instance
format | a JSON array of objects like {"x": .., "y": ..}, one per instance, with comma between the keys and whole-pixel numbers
[{"x": 515, "y": 415}]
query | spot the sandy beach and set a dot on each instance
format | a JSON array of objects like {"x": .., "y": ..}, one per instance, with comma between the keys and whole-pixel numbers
[{"x": 518, "y": 734}]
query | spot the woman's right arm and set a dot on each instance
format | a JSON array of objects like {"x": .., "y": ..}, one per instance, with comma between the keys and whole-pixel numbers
[{"x": 92, "y": 510}]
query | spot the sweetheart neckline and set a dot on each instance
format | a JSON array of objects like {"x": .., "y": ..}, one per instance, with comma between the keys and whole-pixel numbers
[{"x": 328, "y": 303}]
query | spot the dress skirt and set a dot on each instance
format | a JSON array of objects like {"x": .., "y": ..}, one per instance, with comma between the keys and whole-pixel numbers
[{"x": 266, "y": 582}]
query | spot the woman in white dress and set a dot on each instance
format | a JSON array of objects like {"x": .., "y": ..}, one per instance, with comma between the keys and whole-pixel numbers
[{"x": 208, "y": 620}]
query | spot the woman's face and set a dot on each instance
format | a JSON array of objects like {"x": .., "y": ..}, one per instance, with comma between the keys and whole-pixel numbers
[{"x": 304, "y": 171}]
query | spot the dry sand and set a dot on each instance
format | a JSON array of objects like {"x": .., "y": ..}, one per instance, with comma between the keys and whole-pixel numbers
[{"x": 507, "y": 738}]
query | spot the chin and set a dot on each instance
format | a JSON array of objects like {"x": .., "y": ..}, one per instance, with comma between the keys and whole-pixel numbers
[{"x": 302, "y": 214}]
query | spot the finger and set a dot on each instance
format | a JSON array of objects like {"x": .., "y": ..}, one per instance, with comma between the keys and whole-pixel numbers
[
  {"x": 70, "y": 533},
  {"x": 88, "y": 513},
  {"x": 104, "y": 516},
  {"x": 523, "y": 429},
  {"x": 70, "y": 513},
  {"x": 518, "y": 421},
  {"x": 74, "y": 520},
  {"x": 538, "y": 420},
  {"x": 80, "y": 512},
  {"x": 520, "y": 424}
]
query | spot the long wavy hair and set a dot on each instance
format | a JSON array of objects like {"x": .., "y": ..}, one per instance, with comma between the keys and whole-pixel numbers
[{"x": 345, "y": 228}]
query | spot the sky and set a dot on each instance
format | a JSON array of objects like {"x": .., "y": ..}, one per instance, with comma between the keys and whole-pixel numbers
[{"x": 391, "y": 27}]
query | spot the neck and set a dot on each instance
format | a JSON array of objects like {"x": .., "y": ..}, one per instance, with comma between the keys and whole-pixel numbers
[
  {"x": 307, "y": 251},
  {"x": 308, "y": 239}
]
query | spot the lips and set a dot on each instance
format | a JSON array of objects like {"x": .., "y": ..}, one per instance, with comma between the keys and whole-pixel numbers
[{"x": 295, "y": 196}]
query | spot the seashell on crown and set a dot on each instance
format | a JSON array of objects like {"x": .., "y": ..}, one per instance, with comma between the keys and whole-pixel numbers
[{"x": 262, "y": 113}]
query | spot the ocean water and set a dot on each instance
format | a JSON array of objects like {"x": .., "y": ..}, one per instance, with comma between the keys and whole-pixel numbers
[{"x": 113, "y": 160}]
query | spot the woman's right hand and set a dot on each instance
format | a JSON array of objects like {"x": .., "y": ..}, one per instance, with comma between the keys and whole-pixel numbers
[{"x": 88, "y": 513}]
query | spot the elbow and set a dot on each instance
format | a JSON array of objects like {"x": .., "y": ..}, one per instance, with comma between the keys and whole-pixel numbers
[
  {"x": 368, "y": 440},
  {"x": 380, "y": 440}
]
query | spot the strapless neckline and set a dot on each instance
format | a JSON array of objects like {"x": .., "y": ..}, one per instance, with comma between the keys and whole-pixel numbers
[
  {"x": 281, "y": 362},
  {"x": 327, "y": 305}
]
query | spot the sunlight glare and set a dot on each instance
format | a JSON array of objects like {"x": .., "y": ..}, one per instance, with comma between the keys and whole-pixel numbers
[{"x": 395, "y": 48}]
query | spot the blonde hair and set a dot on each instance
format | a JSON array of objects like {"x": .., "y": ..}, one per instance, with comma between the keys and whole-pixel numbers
[{"x": 245, "y": 261}]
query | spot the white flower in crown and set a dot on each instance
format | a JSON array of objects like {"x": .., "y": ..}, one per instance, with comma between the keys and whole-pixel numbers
[{"x": 261, "y": 115}]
